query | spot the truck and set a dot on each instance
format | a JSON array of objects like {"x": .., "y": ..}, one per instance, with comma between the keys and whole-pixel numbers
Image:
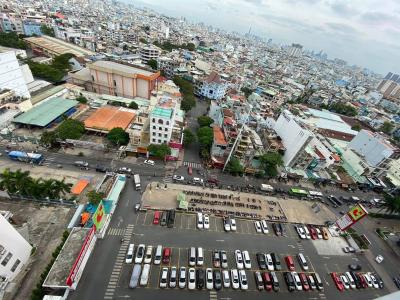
[
  {"x": 136, "y": 180},
  {"x": 28, "y": 157},
  {"x": 266, "y": 188}
]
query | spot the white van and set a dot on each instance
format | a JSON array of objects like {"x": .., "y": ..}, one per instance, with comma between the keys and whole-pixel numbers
[
  {"x": 158, "y": 255},
  {"x": 200, "y": 256},
  {"x": 246, "y": 259},
  {"x": 302, "y": 261},
  {"x": 135, "y": 276},
  {"x": 192, "y": 256},
  {"x": 129, "y": 254},
  {"x": 144, "y": 278}
]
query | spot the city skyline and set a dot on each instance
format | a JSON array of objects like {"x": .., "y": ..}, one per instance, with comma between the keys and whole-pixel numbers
[{"x": 360, "y": 32}]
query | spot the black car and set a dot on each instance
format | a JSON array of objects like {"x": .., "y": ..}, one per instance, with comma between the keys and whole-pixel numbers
[
  {"x": 276, "y": 261},
  {"x": 171, "y": 218},
  {"x": 354, "y": 267},
  {"x": 200, "y": 278},
  {"x": 261, "y": 261},
  {"x": 276, "y": 228},
  {"x": 163, "y": 220},
  {"x": 380, "y": 281},
  {"x": 217, "y": 280},
  {"x": 356, "y": 279},
  {"x": 396, "y": 281},
  {"x": 289, "y": 281},
  {"x": 101, "y": 169},
  {"x": 283, "y": 229}
]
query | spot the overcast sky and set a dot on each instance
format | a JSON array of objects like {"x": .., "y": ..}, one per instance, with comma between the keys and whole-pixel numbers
[{"x": 363, "y": 32}]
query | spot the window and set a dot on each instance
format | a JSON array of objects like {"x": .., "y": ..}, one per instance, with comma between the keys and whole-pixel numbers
[
  {"x": 159, "y": 128},
  {"x": 115, "y": 83},
  {"x": 154, "y": 127},
  {"x": 6, "y": 259},
  {"x": 92, "y": 78},
  {"x": 15, "y": 265},
  {"x": 159, "y": 134},
  {"x": 154, "y": 140},
  {"x": 166, "y": 129},
  {"x": 154, "y": 120},
  {"x": 154, "y": 134},
  {"x": 165, "y": 135},
  {"x": 160, "y": 121},
  {"x": 167, "y": 122},
  {"x": 159, "y": 141}
]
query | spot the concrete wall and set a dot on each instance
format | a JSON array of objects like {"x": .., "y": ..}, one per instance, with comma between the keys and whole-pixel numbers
[
  {"x": 142, "y": 88},
  {"x": 11, "y": 75}
]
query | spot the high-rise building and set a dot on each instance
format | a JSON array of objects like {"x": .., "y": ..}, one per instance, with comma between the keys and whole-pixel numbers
[
  {"x": 390, "y": 87},
  {"x": 295, "y": 50}
]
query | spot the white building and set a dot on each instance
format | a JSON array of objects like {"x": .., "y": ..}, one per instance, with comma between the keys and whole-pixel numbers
[
  {"x": 295, "y": 50},
  {"x": 14, "y": 252},
  {"x": 161, "y": 125},
  {"x": 294, "y": 137},
  {"x": 212, "y": 87},
  {"x": 374, "y": 148},
  {"x": 12, "y": 75},
  {"x": 149, "y": 52}
]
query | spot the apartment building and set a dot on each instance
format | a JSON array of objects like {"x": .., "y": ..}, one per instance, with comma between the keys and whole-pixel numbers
[
  {"x": 12, "y": 75},
  {"x": 112, "y": 78},
  {"x": 211, "y": 87},
  {"x": 149, "y": 52},
  {"x": 161, "y": 125},
  {"x": 14, "y": 251}
]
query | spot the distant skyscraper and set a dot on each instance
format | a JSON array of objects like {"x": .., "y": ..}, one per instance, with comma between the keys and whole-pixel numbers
[
  {"x": 295, "y": 50},
  {"x": 390, "y": 86}
]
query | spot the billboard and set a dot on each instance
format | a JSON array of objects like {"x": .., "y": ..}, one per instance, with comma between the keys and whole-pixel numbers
[
  {"x": 99, "y": 216},
  {"x": 355, "y": 214}
]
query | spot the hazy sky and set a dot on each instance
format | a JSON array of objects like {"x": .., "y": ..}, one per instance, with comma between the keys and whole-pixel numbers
[{"x": 363, "y": 32}]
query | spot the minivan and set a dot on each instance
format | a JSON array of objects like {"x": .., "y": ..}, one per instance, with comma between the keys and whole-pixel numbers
[
  {"x": 129, "y": 254},
  {"x": 275, "y": 281},
  {"x": 158, "y": 255},
  {"x": 200, "y": 256},
  {"x": 289, "y": 281},
  {"x": 200, "y": 278},
  {"x": 276, "y": 260},
  {"x": 166, "y": 255},
  {"x": 171, "y": 218},
  {"x": 289, "y": 262},
  {"x": 135, "y": 276},
  {"x": 303, "y": 262},
  {"x": 259, "y": 280},
  {"x": 144, "y": 278},
  {"x": 192, "y": 256},
  {"x": 318, "y": 282}
]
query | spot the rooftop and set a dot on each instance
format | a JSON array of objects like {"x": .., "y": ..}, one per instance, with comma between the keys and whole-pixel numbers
[
  {"x": 213, "y": 77},
  {"x": 107, "y": 117},
  {"x": 161, "y": 112},
  {"x": 46, "y": 112},
  {"x": 118, "y": 68},
  {"x": 219, "y": 137}
]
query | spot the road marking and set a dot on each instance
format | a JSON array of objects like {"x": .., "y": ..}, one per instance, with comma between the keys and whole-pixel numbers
[
  {"x": 326, "y": 257},
  {"x": 220, "y": 240},
  {"x": 292, "y": 246}
]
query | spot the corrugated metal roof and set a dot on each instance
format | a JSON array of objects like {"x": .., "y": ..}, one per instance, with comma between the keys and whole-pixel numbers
[
  {"x": 46, "y": 112},
  {"x": 161, "y": 112}
]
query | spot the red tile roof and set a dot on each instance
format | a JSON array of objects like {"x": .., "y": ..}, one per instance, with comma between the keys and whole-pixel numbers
[
  {"x": 219, "y": 137},
  {"x": 213, "y": 77}
]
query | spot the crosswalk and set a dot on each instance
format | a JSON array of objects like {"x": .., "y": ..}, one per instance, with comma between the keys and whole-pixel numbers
[
  {"x": 116, "y": 231},
  {"x": 169, "y": 173},
  {"x": 192, "y": 164},
  {"x": 213, "y": 295}
]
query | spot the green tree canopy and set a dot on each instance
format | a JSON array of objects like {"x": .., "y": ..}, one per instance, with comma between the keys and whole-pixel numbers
[
  {"x": 95, "y": 197},
  {"x": 159, "y": 151},
  {"x": 70, "y": 129},
  {"x": 205, "y": 121},
  {"x": 12, "y": 40},
  {"x": 143, "y": 40},
  {"x": 344, "y": 109},
  {"x": 47, "y": 30},
  {"x": 133, "y": 105},
  {"x": 188, "y": 137},
  {"x": 118, "y": 136},
  {"x": 48, "y": 139},
  {"x": 386, "y": 127},
  {"x": 205, "y": 136},
  {"x": 81, "y": 99},
  {"x": 247, "y": 91},
  {"x": 235, "y": 167},
  {"x": 391, "y": 205},
  {"x": 270, "y": 161},
  {"x": 356, "y": 127},
  {"x": 61, "y": 62},
  {"x": 46, "y": 72},
  {"x": 152, "y": 63}
]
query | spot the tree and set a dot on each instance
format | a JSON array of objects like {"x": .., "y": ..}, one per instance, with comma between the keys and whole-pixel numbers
[
  {"x": 48, "y": 139},
  {"x": 143, "y": 40},
  {"x": 47, "y": 30},
  {"x": 205, "y": 121},
  {"x": 46, "y": 72},
  {"x": 133, "y": 105},
  {"x": 190, "y": 46},
  {"x": 391, "y": 204},
  {"x": 188, "y": 103},
  {"x": 343, "y": 109},
  {"x": 270, "y": 161},
  {"x": 247, "y": 91},
  {"x": 70, "y": 129},
  {"x": 159, "y": 151},
  {"x": 12, "y": 40},
  {"x": 188, "y": 137},
  {"x": 235, "y": 167},
  {"x": 61, "y": 62},
  {"x": 356, "y": 127},
  {"x": 118, "y": 136},
  {"x": 152, "y": 63},
  {"x": 95, "y": 197},
  {"x": 205, "y": 136},
  {"x": 386, "y": 127},
  {"x": 81, "y": 99}
]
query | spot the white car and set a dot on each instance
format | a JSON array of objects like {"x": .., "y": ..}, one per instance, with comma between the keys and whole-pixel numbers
[
  {"x": 319, "y": 233},
  {"x": 301, "y": 232},
  {"x": 297, "y": 281},
  {"x": 239, "y": 259},
  {"x": 164, "y": 278},
  {"x": 257, "y": 225},
  {"x": 374, "y": 280},
  {"x": 148, "y": 255},
  {"x": 200, "y": 221},
  {"x": 182, "y": 277},
  {"x": 246, "y": 259},
  {"x": 379, "y": 259},
  {"x": 224, "y": 259},
  {"x": 172, "y": 277},
  {"x": 192, "y": 279},
  {"x": 206, "y": 221},
  {"x": 149, "y": 162},
  {"x": 226, "y": 280},
  {"x": 178, "y": 178},
  {"x": 140, "y": 254},
  {"x": 243, "y": 280},
  {"x": 264, "y": 226},
  {"x": 308, "y": 236},
  {"x": 269, "y": 262},
  {"x": 235, "y": 279},
  {"x": 209, "y": 279},
  {"x": 345, "y": 281},
  {"x": 227, "y": 224},
  {"x": 368, "y": 279},
  {"x": 351, "y": 280},
  {"x": 233, "y": 224},
  {"x": 129, "y": 254},
  {"x": 198, "y": 180}
]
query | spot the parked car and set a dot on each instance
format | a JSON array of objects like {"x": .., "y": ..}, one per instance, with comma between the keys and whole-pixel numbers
[
  {"x": 224, "y": 259},
  {"x": 191, "y": 279},
  {"x": 227, "y": 224},
  {"x": 277, "y": 229},
  {"x": 216, "y": 259},
  {"x": 148, "y": 255},
  {"x": 259, "y": 281},
  {"x": 209, "y": 279},
  {"x": 243, "y": 280},
  {"x": 233, "y": 224},
  {"x": 264, "y": 226},
  {"x": 239, "y": 259},
  {"x": 297, "y": 281},
  {"x": 276, "y": 261},
  {"x": 182, "y": 277},
  {"x": 304, "y": 281},
  {"x": 200, "y": 278},
  {"x": 289, "y": 281},
  {"x": 257, "y": 225},
  {"x": 139, "y": 254},
  {"x": 163, "y": 221},
  {"x": 235, "y": 279},
  {"x": 206, "y": 223},
  {"x": 166, "y": 255},
  {"x": 301, "y": 232},
  {"x": 156, "y": 218},
  {"x": 261, "y": 260},
  {"x": 217, "y": 279},
  {"x": 164, "y": 277},
  {"x": 289, "y": 262},
  {"x": 200, "y": 221},
  {"x": 337, "y": 281},
  {"x": 270, "y": 263},
  {"x": 178, "y": 178},
  {"x": 226, "y": 279},
  {"x": 267, "y": 279},
  {"x": 149, "y": 162},
  {"x": 246, "y": 259},
  {"x": 172, "y": 277},
  {"x": 129, "y": 254}
]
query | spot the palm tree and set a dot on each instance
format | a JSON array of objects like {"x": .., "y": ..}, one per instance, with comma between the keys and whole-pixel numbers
[
  {"x": 391, "y": 205},
  {"x": 7, "y": 182},
  {"x": 21, "y": 180}
]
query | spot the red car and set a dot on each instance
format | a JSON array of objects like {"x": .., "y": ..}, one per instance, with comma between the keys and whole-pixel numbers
[
  {"x": 156, "y": 219},
  {"x": 337, "y": 281},
  {"x": 267, "y": 280},
  {"x": 304, "y": 281},
  {"x": 363, "y": 282},
  {"x": 166, "y": 255},
  {"x": 190, "y": 171},
  {"x": 289, "y": 262},
  {"x": 313, "y": 233}
]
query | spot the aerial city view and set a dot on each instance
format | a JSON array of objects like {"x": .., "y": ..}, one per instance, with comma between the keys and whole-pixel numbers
[{"x": 199, "y": 150}]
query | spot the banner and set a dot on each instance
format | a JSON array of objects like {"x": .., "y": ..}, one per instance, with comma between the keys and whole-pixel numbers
[{"x": 99, "y": 216}]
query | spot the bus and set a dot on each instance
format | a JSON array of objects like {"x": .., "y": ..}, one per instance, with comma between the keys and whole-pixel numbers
[
  {"x": 28, "y": 157},
  {"x": 298, "y": 192}
]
